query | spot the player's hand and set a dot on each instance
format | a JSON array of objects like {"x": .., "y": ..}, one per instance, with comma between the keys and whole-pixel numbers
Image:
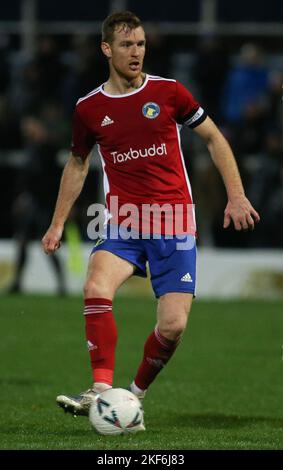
[
  {"x": 242, "y": 213},
  {"x": 52, "y": 239}
]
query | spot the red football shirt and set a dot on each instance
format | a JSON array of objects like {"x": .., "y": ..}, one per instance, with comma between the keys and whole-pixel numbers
[{"x": 138, "y": 138}]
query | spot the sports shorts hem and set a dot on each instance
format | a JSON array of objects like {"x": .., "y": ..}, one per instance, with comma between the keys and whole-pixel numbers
[
  {"x": 176, "y": 291},
  {"x": 139, "y": 269}
]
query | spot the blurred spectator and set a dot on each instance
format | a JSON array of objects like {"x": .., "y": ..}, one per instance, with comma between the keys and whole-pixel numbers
[
  {"x": 87, "y": 70},
  {"x": 157, "y": 59},
  {"x": 248, "y": 133},
  {"x": 37, "y": 79},
  {"x": 37, "y": 186},
  {"x": 4, "y": 64},
  {"x": 10, "y": 135},
  {"x": 210, "y": 70},
  {"x": 274, "y": 99},
  {"x": 266, "y": 192},
  {"x": 247, "y": 83},
  {"x": 25, "y": 92}
]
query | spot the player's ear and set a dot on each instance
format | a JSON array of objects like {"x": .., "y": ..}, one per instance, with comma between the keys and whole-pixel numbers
[{"x": 106, "y": 49}]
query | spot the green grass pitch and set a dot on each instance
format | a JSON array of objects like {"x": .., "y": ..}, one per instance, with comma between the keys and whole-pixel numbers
[{"x": 221, "y": 390}]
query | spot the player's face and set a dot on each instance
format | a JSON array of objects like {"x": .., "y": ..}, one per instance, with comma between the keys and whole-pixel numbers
[{"x": 127, "y": 52}]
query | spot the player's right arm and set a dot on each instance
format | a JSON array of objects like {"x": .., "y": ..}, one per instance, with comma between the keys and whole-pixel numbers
[{"x": 72, "y": 181}]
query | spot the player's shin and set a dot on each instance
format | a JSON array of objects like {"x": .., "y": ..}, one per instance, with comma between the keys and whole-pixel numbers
[
  {"x": 101, "y": 335},
  {"x": 157, "y": 352}
]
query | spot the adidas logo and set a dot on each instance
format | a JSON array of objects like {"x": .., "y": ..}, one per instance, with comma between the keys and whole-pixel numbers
[
  {"x": 155, "y": 362},
  {"x": 91, "y": 346},
  {"x": 106, "y": 121},
  {"x": 186, "y": 278}
]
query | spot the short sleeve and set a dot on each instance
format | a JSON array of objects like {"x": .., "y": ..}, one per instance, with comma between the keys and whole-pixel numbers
[
  {"x": 188, "y": 110},
  {"x": 83, "y": 139}
]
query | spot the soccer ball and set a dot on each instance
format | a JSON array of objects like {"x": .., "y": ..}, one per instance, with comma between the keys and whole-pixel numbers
[{"x": 116, "y": 411}]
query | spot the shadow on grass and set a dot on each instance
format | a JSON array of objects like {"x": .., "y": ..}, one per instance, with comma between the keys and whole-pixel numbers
[{"x": 221, "y": 421}]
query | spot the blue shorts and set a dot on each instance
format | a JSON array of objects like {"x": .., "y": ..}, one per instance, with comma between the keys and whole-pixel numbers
[{"x": 172, "y": 261}]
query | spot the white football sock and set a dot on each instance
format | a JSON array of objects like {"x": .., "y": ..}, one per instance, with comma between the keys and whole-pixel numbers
[
  {"x": 136, "y": 390},
  {"x": 100, "y": 387}
]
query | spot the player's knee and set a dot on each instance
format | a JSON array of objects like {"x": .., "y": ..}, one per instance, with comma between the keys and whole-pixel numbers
[
  {"x": 173, "y": 329},
  {"x": 95, "y": 288}
]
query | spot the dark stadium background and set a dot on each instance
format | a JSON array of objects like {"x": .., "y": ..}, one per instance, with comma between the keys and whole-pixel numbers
[
  {"x": 223, "y": 390},
  {"x": 229, "y": 54},
  {"x": 188, "y": 40}
]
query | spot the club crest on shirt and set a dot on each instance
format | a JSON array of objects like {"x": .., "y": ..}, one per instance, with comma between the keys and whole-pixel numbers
[{"x": 150, "y": 110}]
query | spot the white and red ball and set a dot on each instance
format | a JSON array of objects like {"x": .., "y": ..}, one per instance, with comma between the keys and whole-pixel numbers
[{"x": 116, "y": 411}]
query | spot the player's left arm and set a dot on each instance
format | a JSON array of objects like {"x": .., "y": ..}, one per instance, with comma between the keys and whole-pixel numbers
[{"x": 238, "y": 208}]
